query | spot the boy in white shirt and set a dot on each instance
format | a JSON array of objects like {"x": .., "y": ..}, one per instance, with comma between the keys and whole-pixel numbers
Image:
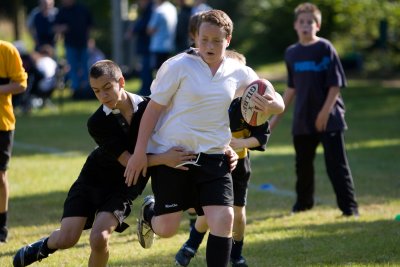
[{"x": 189, "y": 107}]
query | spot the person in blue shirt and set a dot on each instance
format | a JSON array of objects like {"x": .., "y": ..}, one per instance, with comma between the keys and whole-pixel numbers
[{"x": 315, "y": 78}]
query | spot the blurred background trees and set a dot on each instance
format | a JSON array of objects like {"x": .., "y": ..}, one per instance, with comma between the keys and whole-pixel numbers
[{"x": 366, "y": 33}]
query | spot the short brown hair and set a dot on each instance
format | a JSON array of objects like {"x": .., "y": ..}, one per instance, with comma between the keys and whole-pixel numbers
[
  {"x": 219, "y": 18},
  {"x": 308, "y": 8},
  {"x": 105, "y": 67},
  {"x": 230, "y": 53},
  {"x": 194, "y": 24}
]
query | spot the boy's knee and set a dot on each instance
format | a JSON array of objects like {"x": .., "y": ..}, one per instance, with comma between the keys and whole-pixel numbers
[
  {"x": 221, "y": 223},
  {"x": 99, "y": 241},
  {"x": 166, "y": 231}
]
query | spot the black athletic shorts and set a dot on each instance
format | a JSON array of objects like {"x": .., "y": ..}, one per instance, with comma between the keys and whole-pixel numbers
[
  {"x": 240, "y": 178},
  {"x": 6, "y": 144},
  {"x": 86, "y": 201},
  {"x": 208, "y": 184}
]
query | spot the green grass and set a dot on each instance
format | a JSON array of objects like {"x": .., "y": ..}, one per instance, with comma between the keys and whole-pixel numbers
[{"x": 52, "y": 144}]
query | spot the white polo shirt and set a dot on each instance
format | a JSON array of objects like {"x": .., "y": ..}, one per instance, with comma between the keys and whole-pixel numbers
[{"x": 196, "y": 115}]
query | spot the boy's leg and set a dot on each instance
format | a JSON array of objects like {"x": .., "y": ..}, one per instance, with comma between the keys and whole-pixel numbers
[
  {"x": 219, "y": 243},
  {"x": 305, "y": 147},
  {"x": 165, "y": 225},
  {"x": 239, "y": 224},
  {"x": 240, "y": 179},
  {"x": 104, "y": 224},
  {"x": 339, "y": 172},
  {"x": 192, "y": 217},
  {"x": 189, "y": 249},
  {"x": 6, "y": 144},
  {"x": 65, "y": 237}
]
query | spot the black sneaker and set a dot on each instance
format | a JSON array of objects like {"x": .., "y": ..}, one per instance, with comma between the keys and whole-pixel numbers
[
  {"x": 29, "y": 254},
  {"x": 184, "y": 255},
  {"x": 241, "y": 262},
  {"x": 3, "y": 234},
  {"x": 144, "y": 232},
  {"x": 353, "y": 213}
]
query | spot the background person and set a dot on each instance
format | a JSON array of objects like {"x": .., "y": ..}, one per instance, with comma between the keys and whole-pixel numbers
[
  {"x": 161, "y": 28},
  {"x": 139, "y": 30},
  {"x": 315, "y": 76},
  {"x": 40, "y": 24},
  {"x": 13, "y": 80},
  {"x": 74, "y": 22}
]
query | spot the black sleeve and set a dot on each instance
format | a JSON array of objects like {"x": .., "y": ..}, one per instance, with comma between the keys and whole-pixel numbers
[{"x": 262, "y": 134}]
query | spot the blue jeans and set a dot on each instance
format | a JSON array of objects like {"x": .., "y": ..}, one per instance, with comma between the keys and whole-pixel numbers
[
  {"x": 77, "y": 58},
  {"x": 146, "y": 74}
]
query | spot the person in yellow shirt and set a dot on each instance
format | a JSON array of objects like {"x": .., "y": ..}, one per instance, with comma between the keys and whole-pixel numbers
[{"x": 13, "y": 80}]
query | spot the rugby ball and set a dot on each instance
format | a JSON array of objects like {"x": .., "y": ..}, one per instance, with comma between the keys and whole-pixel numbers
[{"x": 247, "y": 106}]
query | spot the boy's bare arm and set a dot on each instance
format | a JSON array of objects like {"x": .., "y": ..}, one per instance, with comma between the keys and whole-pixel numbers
[
  {"x": 172, "y": 157},
  {"x": 137, "y": 163},
  {"x": 238, "y": 143},
  {"x": 12, "y": 88}
]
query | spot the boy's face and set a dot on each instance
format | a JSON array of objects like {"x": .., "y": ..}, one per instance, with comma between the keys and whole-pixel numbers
[
  {"x": 107, "y": 90},
  {"x": 212, "y": 42},
  {"x": 306, "y": 27}
]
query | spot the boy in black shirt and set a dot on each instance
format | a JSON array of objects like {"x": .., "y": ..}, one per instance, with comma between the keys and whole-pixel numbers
[{"x": 99, "y": 198}]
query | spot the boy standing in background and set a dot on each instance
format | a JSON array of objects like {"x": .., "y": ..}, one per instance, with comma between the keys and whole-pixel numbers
[{"x": 315, "y": 76}]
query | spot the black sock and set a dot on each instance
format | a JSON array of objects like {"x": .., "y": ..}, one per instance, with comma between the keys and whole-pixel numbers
[
  {"x": 148, "y": 213},
  {"x": 45, "y": 249},
  {"x": 3, "y": 219},
  {"x": 236, "y": 251},
  {"x": 218, "y": 250},
  {"x": 195, "y": 238}
]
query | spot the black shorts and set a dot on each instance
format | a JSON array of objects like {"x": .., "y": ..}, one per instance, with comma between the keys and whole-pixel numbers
[
  {"x": 240, "y": 178},
  {"x": 208, "y": 184},
  {"x": 6, "y": 144},
  {"x": 86, "y": 201}
]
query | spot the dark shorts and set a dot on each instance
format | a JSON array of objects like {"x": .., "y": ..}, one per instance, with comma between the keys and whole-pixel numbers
[
  {"x": 208, "y": 184},
  {"x": 240, "y": 178},
  {"x": 6, "y": 144},
  {"x": 86, "y": 201}
]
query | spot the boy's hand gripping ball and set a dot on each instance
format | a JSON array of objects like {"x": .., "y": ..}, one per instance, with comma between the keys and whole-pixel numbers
[{"x": 250, "y": 115}]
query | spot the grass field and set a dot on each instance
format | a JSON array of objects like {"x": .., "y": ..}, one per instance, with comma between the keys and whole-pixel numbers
[{"x": 51, "y": 145}]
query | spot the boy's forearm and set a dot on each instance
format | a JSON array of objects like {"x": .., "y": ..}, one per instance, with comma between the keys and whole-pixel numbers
[
  {"x": 124, "y": 157},
  {"x": 11, "y": 88},
  {"x": 251, "y": 142}
]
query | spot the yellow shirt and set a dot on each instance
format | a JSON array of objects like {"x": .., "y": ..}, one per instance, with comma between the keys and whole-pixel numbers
[
  {"x": 11, "y": 68},
  {"x": 242, "y": 152}
]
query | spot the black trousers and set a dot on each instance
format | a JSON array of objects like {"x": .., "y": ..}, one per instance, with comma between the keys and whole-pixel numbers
[{"x": 337, "y": 167}]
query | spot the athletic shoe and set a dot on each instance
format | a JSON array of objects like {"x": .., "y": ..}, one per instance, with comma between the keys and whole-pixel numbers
[
  {"x": 353, "y": 213},
  {"x": 3, "y": 234},
  {"x": 144, "y": 232},
  {"x": 29, "y": 254},
  {"x": 184, "y": 255},
  {"x": 241, "y": 262}
]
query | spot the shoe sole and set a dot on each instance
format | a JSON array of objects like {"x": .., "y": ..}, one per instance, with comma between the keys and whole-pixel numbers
[{"x": 142, "y": 225}]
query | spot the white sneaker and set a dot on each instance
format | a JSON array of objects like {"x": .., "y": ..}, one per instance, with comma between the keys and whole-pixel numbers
[{"x": 144, "y": 232}]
